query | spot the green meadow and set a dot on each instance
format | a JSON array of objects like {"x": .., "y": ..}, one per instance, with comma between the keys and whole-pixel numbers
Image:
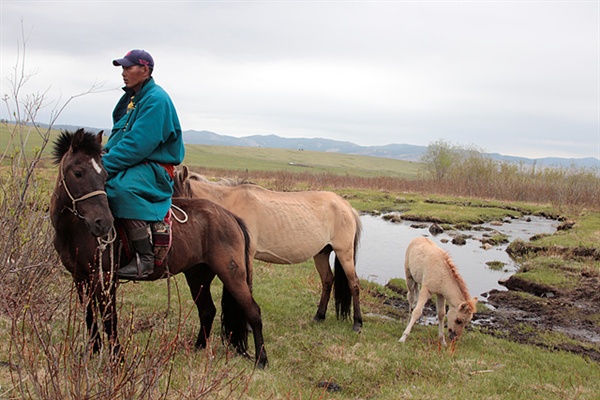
[{"x": 43, "y": 340}]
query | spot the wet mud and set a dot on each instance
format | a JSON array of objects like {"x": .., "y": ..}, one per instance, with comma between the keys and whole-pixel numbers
[{"x": 570, "y": 316}]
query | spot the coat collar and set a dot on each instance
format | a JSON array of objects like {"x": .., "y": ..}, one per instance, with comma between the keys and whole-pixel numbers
[{"x": 148, "y": 83}]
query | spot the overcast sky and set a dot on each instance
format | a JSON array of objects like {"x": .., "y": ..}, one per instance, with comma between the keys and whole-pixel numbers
[{"x": 513, "y": 77}]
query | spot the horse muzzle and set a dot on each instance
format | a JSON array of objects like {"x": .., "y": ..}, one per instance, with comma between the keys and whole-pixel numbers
[
  {"x": 100, "y": 226},
  {"x": 452, "y": 335}
]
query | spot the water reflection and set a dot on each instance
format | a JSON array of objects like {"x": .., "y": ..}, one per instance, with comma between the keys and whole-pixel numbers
[{"x": 383, "y": 244}]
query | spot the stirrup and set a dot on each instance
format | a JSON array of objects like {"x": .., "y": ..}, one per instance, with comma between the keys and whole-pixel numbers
[{"x": 135, "y": 271}]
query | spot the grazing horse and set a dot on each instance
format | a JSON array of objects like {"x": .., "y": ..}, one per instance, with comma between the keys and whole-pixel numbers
[
  {"x": 291, "y": 227},
  {"x": 431, "y": 267},
  {"x": 211, "y": 242}
]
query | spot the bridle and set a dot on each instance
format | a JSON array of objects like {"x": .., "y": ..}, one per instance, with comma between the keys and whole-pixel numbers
[
  {"x": 74, "y": 200},
  {"x": 103, "y": 242}
]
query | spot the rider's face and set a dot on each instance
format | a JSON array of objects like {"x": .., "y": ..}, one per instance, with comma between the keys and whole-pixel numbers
[{"x": 134, "y": 76}]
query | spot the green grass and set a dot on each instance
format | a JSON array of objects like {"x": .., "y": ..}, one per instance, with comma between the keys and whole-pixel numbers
[
  {"x": 585, "y": 232},
  {"x": 155, "y": 325},
  {"x": 302, "y": 353},
  {"x": 247, "y": 158},
  {"x": 373, "y": 365},
  {"x": 270, "y": 159},
  {"x": 556, "y": 272}
]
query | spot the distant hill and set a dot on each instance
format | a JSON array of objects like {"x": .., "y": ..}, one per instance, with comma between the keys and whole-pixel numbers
[{"x": 406, "y": 152}]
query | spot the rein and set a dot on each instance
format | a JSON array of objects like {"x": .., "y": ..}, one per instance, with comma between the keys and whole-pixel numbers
[{"x": 74, "y": 200}]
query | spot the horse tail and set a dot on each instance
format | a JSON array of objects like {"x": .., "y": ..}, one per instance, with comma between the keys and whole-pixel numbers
[
  {"x": 342, "y": 291},
  {"x": 357, "y": 233},
  {"x": 247, "y": 261},
  {"x": 234, "y": 327}
]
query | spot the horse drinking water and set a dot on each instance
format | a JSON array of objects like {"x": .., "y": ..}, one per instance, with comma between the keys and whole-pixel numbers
[
  {"x": 212, "y": 242},
  {"x": 430, "y": 267},
  {"x": 291, "y": 227}
]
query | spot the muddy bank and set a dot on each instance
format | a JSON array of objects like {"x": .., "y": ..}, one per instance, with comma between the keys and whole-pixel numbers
[{"x": 566, "y": 319}]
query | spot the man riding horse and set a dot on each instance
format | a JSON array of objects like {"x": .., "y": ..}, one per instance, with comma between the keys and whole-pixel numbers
[{"x": 144, "y": 146}]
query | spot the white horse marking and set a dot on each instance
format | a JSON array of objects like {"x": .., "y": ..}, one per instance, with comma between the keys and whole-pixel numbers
[{"x": 96, "y": 166}]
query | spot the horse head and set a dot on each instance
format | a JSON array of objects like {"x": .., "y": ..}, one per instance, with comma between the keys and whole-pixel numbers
[
  {"x": 80, "y": 184},
  {"x": 459, "y": 317}
]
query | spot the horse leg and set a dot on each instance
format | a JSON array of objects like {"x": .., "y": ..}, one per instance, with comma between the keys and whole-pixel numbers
[
  {"x": 83, "y": 293},
  {"x": 107, "y": 307},
  {"x": 412, "y": 292},
  {"x": 441, "y": 314},
  {"x": 246, "y": 304},
  {"x": 416, "y": 313},
  {"x": 199, "y": 280},
  {"x": 322, "y": 264},
  {"x": 92, "y": 326},
  {"x": 238, "y": 303},
  {"x": 345, "y": 261},
  {"x": 255, "y": 321}
]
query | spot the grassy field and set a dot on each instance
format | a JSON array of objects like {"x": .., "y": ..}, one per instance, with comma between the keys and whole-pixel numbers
[
  {"x": 263, "y": 159},
  {"x": 244, "y": 158},
  {"x": 303, "y": 354},
  {"x": 43, "y": 339},
  {"x": 371, "y": 365}
]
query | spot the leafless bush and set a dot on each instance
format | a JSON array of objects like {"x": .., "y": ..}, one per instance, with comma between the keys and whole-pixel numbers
[
  {"x": 564, "y": 188},
  {"x": 45, "y": 350}
]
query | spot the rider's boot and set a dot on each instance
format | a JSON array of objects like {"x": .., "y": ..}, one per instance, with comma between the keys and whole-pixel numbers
[{"x": 142, "y": 244}]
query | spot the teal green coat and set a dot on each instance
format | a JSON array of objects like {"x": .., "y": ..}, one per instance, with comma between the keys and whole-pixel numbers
[{"x": 145, "y": 135}]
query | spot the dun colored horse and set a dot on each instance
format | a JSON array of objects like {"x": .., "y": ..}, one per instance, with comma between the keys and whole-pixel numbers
[
  {"x": 291, "y": 227},
  {"x": 212, "y": 242},
  {"x": 431, "y": 267}
]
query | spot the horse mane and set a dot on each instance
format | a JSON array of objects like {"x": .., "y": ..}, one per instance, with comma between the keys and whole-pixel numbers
[
  {"x": 187, "y": 174},
  {"x": 194, "y": 176},
  {"x": 80, "y": 141},
  {"x": 234, "y": 182},
  {"x": 459, "y": 279}
]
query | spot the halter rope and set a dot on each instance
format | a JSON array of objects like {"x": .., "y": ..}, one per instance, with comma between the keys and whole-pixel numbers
[
  {"x": 185, "y": 216},
  {"x": 102, "y": 244}
]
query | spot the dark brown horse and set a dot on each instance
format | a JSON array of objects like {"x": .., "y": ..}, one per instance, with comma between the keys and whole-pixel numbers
[{"x": 211, "y": 242}]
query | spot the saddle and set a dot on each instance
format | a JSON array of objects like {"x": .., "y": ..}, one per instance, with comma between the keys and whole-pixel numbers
[{"x": 161, "y": 239}]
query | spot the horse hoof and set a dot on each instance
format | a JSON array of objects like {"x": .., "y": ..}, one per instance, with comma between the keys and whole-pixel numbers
[
  {"x": 261, "y": 365},
  {"x": 330, "y": 386},
  {"x": 357, "y": 328}
]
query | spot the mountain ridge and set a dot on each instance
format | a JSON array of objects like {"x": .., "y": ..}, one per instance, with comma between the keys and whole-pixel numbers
[{"x": 406, "y": 152}]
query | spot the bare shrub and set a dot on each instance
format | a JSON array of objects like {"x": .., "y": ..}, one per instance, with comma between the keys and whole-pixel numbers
[
  {"x": 45, "y": 348},
  {"x": 474, "y": 176}
]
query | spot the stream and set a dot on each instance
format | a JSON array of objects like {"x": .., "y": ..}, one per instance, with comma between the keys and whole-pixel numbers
[{"x": 383, "y": 243}]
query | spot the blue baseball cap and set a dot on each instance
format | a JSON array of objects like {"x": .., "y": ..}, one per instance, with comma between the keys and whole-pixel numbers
[{"x": 135, "y": 57}]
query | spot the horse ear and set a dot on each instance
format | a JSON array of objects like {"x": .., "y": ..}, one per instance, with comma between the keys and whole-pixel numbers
[
  {"x": 466, "y": 307},
  {"x": 99, "y": 137},
  {"x": 473, "y": 304},
  {"x": 77, "y": 138},
  {"x": 186, "y": 172}
]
